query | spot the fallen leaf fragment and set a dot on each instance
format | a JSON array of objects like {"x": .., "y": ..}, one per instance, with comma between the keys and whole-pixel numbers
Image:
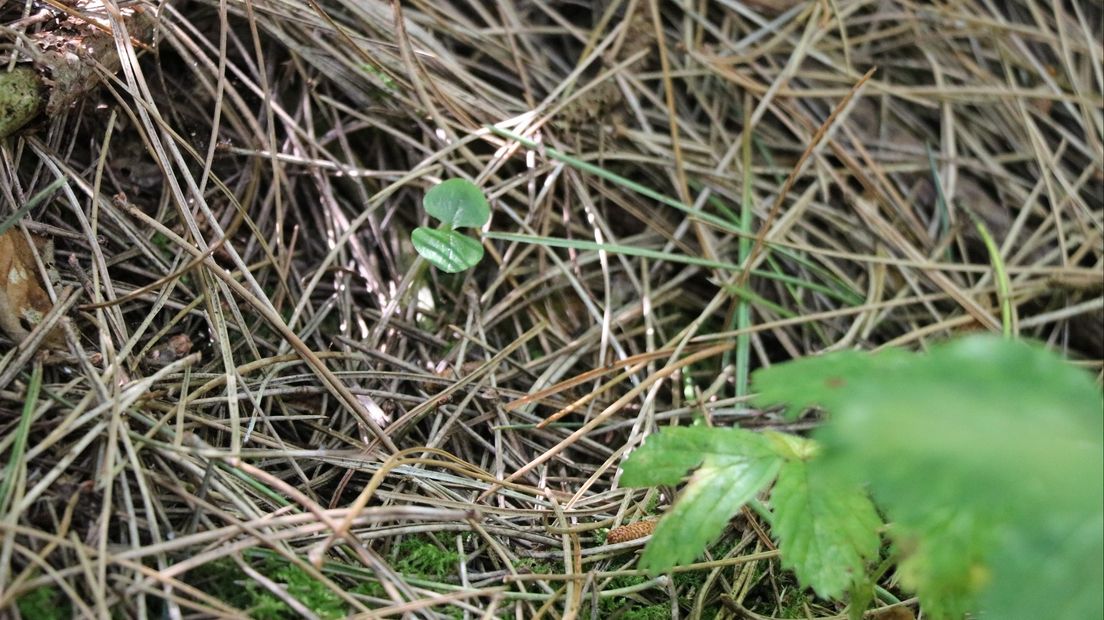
[
  {"x": 23, "y": 300},
  {"x": 173, "y": 349}
]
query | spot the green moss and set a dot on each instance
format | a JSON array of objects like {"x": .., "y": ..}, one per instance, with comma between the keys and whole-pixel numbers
[
  {"x": 789, "y": 600},
  {"x": 535, "y": 566},
  {"x": 389, "y": 86},
  {"x": 612, "y": 604},
  {"x": 422, "y": 557},
  {"x": 369, "y": 588},
  {"x": 689, "y": 580},
  {"x": 268, "y": 607},
  {"x": 659, "y": 611},
  {"x": 625, "y": 582},
  {"x": 160, "y": 241},
  {"x": 224, "y": 580},
  {"x": 419, "y": 557},
  {"x": 452, "y": 611},
  {"x": 793, "y": 603},
  {"x": 45, "y": 603},
  {"x": 315, "y": 595},
  {"x": 600, "y": 536},
  {"x": 375, "y": 590}
]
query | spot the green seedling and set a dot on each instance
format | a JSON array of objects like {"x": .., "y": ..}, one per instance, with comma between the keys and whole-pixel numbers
[
  {"x": 456, "y": 203},
  {"x": 985, "y": 456}
]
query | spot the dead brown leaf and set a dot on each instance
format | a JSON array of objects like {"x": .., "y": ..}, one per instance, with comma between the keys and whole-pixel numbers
[
  {"x": 173, "y": 349},
  {"x": 23, "y": 300}
]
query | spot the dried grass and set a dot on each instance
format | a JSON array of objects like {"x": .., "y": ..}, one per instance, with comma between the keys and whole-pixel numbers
[{"x": 259, "y": 368}]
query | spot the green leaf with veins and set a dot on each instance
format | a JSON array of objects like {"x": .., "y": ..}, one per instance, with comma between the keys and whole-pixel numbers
[
  {"x": 447, "y": 250},
  {"x": 714, "y": 495},
  {"x": 827, "y": 528},
  {"x": 822, "y": 380},
  {"x": 943, "y": 560},
  {"x": 457, "y": 203},
  {"x": 988, "y": 457},
  {"x": 1052, "y": 570},
  {"x": 734, "y": 465}
]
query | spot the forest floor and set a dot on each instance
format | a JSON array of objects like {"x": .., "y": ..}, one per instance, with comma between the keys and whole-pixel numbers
[{"x": 250, "y": 396}]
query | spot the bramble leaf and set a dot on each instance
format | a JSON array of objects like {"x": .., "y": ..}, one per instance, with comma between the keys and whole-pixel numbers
[
  {"x": 457, "y": 203},
  {"x": 1005, "y": 437},
  {"x": 1062, "y": 559},
  {"x": 944, "y": 561},
  {"x": 823, "y": 380},
  {"x": 447, "y": 250},
  {"x": 734, "y": 465},
  {"x": 827, "y": 528},
  {"x": 667, "y": 455}
]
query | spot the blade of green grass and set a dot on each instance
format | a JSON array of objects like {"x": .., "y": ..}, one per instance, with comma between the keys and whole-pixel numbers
[
  {"x": 756, "y": 300},
  {"x": 32, "y": 203},
  {"x": 942, "y": 215},
  {"x": 15, "y": 462},
  {"x": 730, "y": 226},
  {"x": 255, "y": 484},
  {"x": 617, "y": 179},
  {"x": 579, "y": 244},
  {"x": 791, "y": 283},
  {"x": 1003, "y": 284},
  {"x": 1004, "y": 295},
  {"x": 742, "y": 319}
]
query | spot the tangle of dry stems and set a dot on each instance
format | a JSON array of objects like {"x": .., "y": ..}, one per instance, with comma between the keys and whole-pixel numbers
[{"x": 256, "y": 366}]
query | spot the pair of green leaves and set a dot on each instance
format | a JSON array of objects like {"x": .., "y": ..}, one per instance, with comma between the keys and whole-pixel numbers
[
  {"x": 986, "y": 455},
  {"x": 456, "y": 203}
]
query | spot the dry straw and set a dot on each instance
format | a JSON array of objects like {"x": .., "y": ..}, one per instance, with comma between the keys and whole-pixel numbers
[{"x": 234, "y": 221}]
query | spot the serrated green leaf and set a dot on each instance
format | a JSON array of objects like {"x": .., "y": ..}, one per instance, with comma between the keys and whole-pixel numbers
[
  {"x": 457, "y": 203},
  {"x": 983, "y": 423},
  {"x": 1062, "y": 560},
  {"x": 944, "y": 560},
  {"x": 715, "y": 493},
  {"x": 667, "y": 455},
  {"x": 1005, "y": 434},
  {"x": 792, "y": 447},
  {"x": 817, "y": 381},
  {"x": 827, "y": 528},
  {"x": 734, "y": 465},
  {"x": 447, "y": 250}
]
